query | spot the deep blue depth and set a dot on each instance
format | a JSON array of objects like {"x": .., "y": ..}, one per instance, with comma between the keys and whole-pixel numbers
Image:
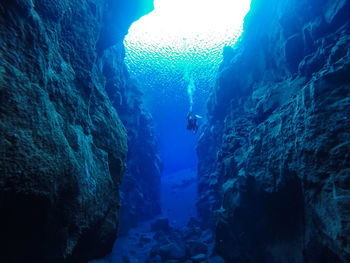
[
  {"x": 176, "y": 144},
  {"x": 174, "y": 53}
]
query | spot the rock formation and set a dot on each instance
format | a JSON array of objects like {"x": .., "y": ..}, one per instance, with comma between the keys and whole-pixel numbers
[
  {"x": 62, "y": 144},
  {"x": 140, "y": 190},
  {"x": 274, "y": 158}
]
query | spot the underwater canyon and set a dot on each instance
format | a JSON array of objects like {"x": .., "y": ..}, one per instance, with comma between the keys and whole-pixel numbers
[{"x": 80, "y": 165}]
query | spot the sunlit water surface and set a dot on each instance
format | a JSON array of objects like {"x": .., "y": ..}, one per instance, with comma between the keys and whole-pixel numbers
[{"x": 181, "y": 41}]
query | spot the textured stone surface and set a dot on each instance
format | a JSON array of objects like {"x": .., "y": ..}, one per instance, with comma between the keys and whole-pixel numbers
[
  {"x": 116, "y": 19},
  {"x": 140, "y": 191},
  {"x": 274, "y": 156},
  {"x": 62, "y": 144},
  {"x": 144, "y": 244}
]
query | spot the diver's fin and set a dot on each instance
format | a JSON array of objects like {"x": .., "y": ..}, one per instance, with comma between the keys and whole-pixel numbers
[{"x": 198, "y": 117}]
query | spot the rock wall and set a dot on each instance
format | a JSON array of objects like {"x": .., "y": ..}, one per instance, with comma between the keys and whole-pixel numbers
[
  {"x": 62, "y": 144},
  {"x": 140, "y": 190},
  {"x": 274, "y": 162}
]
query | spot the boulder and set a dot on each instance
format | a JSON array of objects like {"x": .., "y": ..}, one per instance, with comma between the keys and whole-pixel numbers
[
  {"x": 172, "y": 251},
  {"x": 196, "y": 247},
  {"x": 200, "y": 258},
  {"x": 161, "y": 224}
]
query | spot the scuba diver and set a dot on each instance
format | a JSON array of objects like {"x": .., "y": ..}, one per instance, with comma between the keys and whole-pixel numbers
[{"x": 192, "y": 122}]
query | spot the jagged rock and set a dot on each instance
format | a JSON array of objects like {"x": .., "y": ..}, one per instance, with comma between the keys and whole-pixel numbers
[
  {"x": 140, "y": 190},
  {"x": 196, "y": 247},
  {"x": 193, "y": 222},
  {"x": 161, "y": 237},
  {"x": 275, "y": 153},
  {"x": 192, "y": 233},
  {"x": 172, "y": 251},
  {"x": 199, "y": 258},
  {"x": 173, "y": 244},
  {"x": 161, "y": 224},
  {"x": 115, "y": 27},
  {"x": 62, "y": 144},
  {"x": 144, "y": 240}
]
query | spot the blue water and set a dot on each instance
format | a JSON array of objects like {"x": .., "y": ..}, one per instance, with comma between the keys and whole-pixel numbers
[
  {"x": 174, "y": 53},
  {"x": 178, "y": 197}
]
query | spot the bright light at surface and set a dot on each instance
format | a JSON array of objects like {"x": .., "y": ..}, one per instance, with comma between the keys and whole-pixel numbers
[
  {"x": 183, "y": 37},
  {"x": 189, "y": 18}
]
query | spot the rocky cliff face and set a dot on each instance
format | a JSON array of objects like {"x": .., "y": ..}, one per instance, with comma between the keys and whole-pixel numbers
[
  {"x": 274, "y": 156},
  {"x": 140, "y": 190},
  {"x": 63, "y": 146}
]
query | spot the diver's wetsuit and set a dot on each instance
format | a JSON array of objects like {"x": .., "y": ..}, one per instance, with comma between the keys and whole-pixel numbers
[{"x": 192, "y": 122}]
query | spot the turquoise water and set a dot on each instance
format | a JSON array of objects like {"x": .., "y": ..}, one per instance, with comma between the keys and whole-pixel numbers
[
  {"x": 181, "y": 42},
  {"x": 174, "y": 53}
]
